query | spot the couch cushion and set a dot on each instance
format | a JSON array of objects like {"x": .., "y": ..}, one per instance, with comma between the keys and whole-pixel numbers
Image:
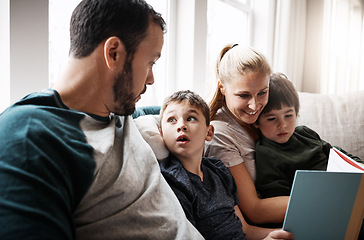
[
  {"x": 148, "y": 126},
  {"x": 338, "y": 119}
]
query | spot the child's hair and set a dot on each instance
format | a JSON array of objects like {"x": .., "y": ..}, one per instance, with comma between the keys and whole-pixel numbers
[
  {"x": 193, "y": 99},
  {"x": 235, "y": 60},
  {"x": 281, "y": 92}
]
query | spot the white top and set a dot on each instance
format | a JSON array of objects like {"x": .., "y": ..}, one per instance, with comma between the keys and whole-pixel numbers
[
  {"x": 231, "y": 143},
  {"x": 129, "y": 198}
]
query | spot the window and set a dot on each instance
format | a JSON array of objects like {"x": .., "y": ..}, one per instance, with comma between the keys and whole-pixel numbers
[
  {"x": 228, "y": 21},
  {"x": 59, "y": 17}
]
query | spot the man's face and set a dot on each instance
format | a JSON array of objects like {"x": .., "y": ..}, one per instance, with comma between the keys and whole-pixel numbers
[{"x": 132, "y": 81}]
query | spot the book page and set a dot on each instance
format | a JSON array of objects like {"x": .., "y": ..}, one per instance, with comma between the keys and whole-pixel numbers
[{"x": 339, "y": 162}]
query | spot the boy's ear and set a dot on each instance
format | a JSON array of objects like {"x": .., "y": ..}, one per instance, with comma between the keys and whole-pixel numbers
[
  {"x": 210, "y": 133},
  {"x": 114, "y": 52},
  {"x": 160, "y": 130}
]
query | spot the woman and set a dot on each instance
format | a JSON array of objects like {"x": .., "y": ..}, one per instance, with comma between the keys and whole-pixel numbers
[{"x": 241, "y": 94}]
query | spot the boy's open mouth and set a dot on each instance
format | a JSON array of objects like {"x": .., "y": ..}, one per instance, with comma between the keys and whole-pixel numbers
[{"x": 182, "y": 138}]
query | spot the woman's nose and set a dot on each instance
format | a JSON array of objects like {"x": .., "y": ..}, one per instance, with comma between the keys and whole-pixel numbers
[{"x": 253, "y": 103}]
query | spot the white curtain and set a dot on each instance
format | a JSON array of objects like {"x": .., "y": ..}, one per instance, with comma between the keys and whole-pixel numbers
[
  {"x": 343, "y": 46},
  {"x": 289, "y": 40}
]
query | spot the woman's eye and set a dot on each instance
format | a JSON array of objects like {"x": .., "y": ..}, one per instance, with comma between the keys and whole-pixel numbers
[
  {"x": 244, "y": 96},
  {"x": 262, "y": 93}
]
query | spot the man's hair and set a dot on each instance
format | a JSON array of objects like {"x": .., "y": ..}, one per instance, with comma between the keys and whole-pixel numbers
[
  {"x": 193, "y": 99},
  {"x": 93, "y": 21},
  {"x": 281, "y": 92}
]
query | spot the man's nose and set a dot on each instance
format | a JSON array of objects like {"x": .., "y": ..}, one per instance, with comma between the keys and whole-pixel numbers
[{"x": 150, "y": 78}]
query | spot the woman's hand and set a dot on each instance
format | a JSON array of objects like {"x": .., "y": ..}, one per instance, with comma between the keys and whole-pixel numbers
[{"x": 279, "y": 235}]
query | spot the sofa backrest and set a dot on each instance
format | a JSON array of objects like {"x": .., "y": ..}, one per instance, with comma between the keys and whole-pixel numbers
[{"x": 338, "y": 119}]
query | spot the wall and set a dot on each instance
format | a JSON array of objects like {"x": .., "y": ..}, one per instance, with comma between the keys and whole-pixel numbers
[
  {"x": 312, "y": 60},
  {"x": 24, "y": 41},
  {"x": 4, "y": 55}
]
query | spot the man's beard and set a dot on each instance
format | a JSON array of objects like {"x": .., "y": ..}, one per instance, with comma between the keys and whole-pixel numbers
[{"x": 123, "y": 92}]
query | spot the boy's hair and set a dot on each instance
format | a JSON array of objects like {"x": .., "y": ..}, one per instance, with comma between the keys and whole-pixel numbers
[
  {"x": 93, "y": 21},
  {"x": 281, "y": 92},
  {"x": 193, "y": 99}
]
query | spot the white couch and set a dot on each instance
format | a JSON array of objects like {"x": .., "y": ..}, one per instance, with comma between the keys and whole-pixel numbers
[{"x": 338, "y": 119}]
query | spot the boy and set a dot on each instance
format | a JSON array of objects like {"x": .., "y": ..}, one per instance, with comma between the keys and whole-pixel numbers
[
  {"x": 284, "y": 148},
  {"x": 204, "y": 186}
]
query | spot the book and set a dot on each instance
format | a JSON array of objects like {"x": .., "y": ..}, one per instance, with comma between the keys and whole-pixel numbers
[
  {"x": 340, "y": 162},
  {"x": 327, "y": 204}
]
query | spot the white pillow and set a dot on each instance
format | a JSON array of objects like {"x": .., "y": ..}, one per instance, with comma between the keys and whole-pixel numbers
[{"x": 148, "y": 126}]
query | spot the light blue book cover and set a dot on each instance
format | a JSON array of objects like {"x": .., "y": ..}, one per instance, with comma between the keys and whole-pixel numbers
[{"x": 325, "y": 205}]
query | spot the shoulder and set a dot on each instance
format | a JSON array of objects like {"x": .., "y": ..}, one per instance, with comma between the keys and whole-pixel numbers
[
  {"x": 216, "y": 165},
  {"x": 306, "y": 131}
]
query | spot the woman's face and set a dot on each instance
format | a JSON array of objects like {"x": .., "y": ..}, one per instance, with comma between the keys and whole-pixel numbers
[{"x": 246, "y": 96}]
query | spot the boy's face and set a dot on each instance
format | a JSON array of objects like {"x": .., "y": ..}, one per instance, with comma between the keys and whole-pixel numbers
[
  {"x": 278, "y": 125},
  {"x": 184, "y": 130}
]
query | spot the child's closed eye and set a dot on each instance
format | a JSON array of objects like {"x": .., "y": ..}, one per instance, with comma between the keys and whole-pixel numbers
[{"x": 271, "y": 119}]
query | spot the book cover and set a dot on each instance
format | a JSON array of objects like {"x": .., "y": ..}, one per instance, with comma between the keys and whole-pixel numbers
[{"x": 325, "y": 205}]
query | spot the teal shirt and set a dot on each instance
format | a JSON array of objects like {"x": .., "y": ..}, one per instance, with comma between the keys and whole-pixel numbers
[{"x": 46, "y": 167}]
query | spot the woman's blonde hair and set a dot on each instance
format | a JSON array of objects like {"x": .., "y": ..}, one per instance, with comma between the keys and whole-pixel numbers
[{"x": 235, "y": 60}]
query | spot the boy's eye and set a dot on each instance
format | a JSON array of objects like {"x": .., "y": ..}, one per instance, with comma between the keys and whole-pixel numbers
[
  {"x": 191, "y": 119},
  {"x": 171, "y": 120},
  {"x": 152, "y": 64},
  {"x": 288, "y": 115},
  {"x": 271, "y": 119}
]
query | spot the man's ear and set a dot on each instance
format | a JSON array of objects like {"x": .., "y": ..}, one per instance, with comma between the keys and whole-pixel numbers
[
  {"x": 114, "y": 53},
  {"x": 210, "y": 133}
]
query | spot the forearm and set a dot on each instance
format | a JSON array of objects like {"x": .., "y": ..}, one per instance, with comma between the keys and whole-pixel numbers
[
  {"x": 269, "y": 210},
  {"x": 252, "y": 232},
  {"x": 254, "y": 209}
]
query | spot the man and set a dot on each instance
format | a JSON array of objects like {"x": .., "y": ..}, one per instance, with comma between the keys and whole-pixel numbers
[{"x": 72, "y": 162}]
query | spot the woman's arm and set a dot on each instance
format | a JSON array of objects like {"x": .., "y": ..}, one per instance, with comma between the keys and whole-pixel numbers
[
  {"x": 253, "y": 232},
  {"x": 254, "y": 209}
]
